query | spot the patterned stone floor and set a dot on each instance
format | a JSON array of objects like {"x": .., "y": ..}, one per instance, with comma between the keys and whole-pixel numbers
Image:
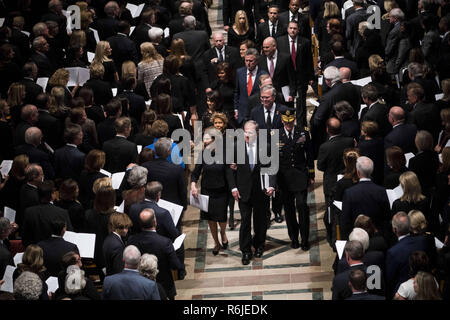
[{"x": 281, "y": 274}]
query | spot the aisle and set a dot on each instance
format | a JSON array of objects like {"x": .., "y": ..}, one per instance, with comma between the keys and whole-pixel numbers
[{"x": 282, "y": 273}]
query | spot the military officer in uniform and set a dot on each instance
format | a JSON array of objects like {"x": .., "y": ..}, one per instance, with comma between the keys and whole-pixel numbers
[{"x": 295, "y": 174}]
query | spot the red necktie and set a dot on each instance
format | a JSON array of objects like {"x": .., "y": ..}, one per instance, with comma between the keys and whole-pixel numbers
[
  {"x": 249, "y": 84},
  {"x": 293, "y": 54}
]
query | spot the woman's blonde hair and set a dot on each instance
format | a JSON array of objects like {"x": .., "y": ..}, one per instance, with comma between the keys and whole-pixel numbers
[
  {"x": 59, "y": 78},
  {"x": 128, "y": 69},
  {"x": 331, "y": 10},
  {"x": 101, "y": 183},
  {"x": 16, "y": 94},
  {"x": 375, "y": 62},
  {"x": 33, "y": 259},
  {"x": 418, "y": 222},
  {"x": 237, "y": 25},
  {"x": 100, "y": 52},
  {"x": 222, "y": 116},
  {"x": 412, "y": 191},
  {"x": 427, "y": 287},
  {"x": 78, "y": 38},
  {"x": 56, "y": 100},
  {"x": 445, "y": 84},
  {"x": 149, "y": 52}
]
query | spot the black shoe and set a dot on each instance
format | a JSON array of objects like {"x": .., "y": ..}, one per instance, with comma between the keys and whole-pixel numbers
[
  {"x": 216, "y": 250},
  {"x": 181, "y": 274},
  {"x": 231, "y": 223},
  {"x": 278, "y": 218},
  {"x": 225, "y": 245},
  {"x": 295, "y": 244},
  {"x": 259, "y": 252},
  {"x": 246, "y": 257},
  {"x": 305, "y": 246}
]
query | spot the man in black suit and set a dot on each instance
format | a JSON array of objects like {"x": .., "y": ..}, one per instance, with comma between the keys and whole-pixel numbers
[
  {"x": 33, "y": 138},
  {"x": 29, "y": 117},
  {"x": 20, "y": 39},
  {"x": 416, "y": 74},
  {"x": 170, "y": 175},
  {"x": 330, "y": 161},
  {"x": 55, "y": 247},
  {"x": 196, "y": 42},
  {"x": 340, "y": 61},
  {"x": 176, "y": 24},
  {"x": 230, "y": 7},
  {"x": 375, "y": 111},
  {"x": 396, "y": 16},
  {"x": 352, "y": 21},
  {"x": 148, "y": 241},
  {"x": 69, "y": 161},
  {"x": 293, "y": 15},
  {"x": 136, "y": 102},
  {"x": 253, "y": 197},
  {"x": 365, "y": 197},
  {"x": 140, "y": 33},
  {"x": 270, "y": 28},
  {"x": 123, "y": 48},
  {"x": 106, "y": 129},
  {"x": 336, "y": 93},
  {"x": 119, "y": 152},
  {"x": 114, "y": 243},
  {"x": 280, "y": 68},
  {"x": 358, "y": 284},
  {"x": 45, "y": 66},
  {"x": 402, "y": 134},
  {"x": 295, "y": 175},
  {"x": 255, "y": 99},
  {"x": 219, "y": 53},
  {"x": 108, "y": 26},
  {"x": 50, "y": 125},
  {"x": 28, "y": 195},
  {"x": 37, "y": 225},
  {"x": 299, "y": 49},
  {"x": 30, "y": 72}
]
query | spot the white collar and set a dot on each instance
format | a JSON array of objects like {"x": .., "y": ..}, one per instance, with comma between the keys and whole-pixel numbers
[
  {"x": 337, "y": 135},
  {"x": 339, "y": 57},
  {"x": 119, "y": 135},
  {"x": 372, "y": 104},
  {"x": 55, "y": 236},
  {"x": 364, "y": 179},
  {"x": 401, "y": 237},
  {"x": 122, "y": 34},
  {"x": 71, "y": 145},
  {"x": 127, "y": 269},
  {"x": 274, "y": 56},
  {"x": 254, "y": 72},
  {"x": 357, "y": 264},
  {"x": 272, "y": 109}
]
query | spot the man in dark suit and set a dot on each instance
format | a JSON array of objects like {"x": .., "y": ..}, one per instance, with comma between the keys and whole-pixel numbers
[
  {"x": 402, "y": 134},
  {"x": 219, "y": 53},
  {"x": 148, "y": 241},
  {"x": 30, "y": 72},
  {"x": 280, "y": 67},
  {"x": 196, "y": 42},
  {"x": 396, "y": 16},
  {"x": 136, "y": 102},
  {"x": 254, "y": 101},
  {"x": 352, "y": 21},
  {"x": 340, "y": 61},
  {"x": 29, "y": 117},
  {"x": 37, "y": 225},
  {"x": 20, "y": 39},
  {"x": 69, "y": 161},
  {"x": 123, "y": 48},
  {"x": 106, "y": 129},
  {"x": 230, "y": 7},
  {"x": 55, "y": 247},
  {"x": 336, "y": 93},
  {"x": 108, "y": 26},
  {"x": 119, "y": 151},
  {"x": 253, "y": 197},
  {"x": 33, "y": 138},
  {"x": 330, "y": 161},
  {"x": 358, "y": 284},
  {"x": 293, "y": 15},
  {"x": 295, "y": 174},
  {"x": 397, "y": 257},
  {"x": 299, "y": 49},
  {"x": 176, "y": 24},
  {"x": 375, "y": 111},
  {"x": 429, "y": 86},
  {"x": 170, "y": 175},
  {"x": 365, "y": 197},
  {"x": 140, "y": 33},
  {"x": 270, "y": 28},
  {"x": 45, "y": 66},
  {"x": 49, "y": 125},
  {"x": 247, "y": 84},
  {"x": 129, "y": 284}
]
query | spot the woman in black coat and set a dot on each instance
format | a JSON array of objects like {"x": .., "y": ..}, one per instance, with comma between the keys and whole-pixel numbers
[
  {"x": 396, "y": 165},
  {"x": 68, "y": 200},
  {"x": 225, "y": 85},
  {"x": 372, "y": 146},
  {"x": 349, "y": 122},
  {"x": 93, "y": 163}
]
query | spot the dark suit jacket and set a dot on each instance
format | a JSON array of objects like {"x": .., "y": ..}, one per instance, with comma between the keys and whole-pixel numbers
[
  {"x": 368, "y": 198},
  {"x": 303, "y": 22},
  {"x": 31, "y": 90},
  {"x": 5, "y": 259},
  {"x": 426, "y": 117},
  {"x": 106, "y": 130},
  {"x": 107, "y": 27},
  {"x": 378, "y": 113},
  {"x": 171, "y": 177},
  {"x": 153, "y": 243},
  {"x": 37, "y": 156},
  {"x": 137, "y": 104},
  {"x": 342, "y": 62},
  {"x": 370, "y": 258},
  {"x": 330, "y": 160},
  {"x": 69, "y": 161},
  {"x": 119, "y": 154},
  {"x": 263, "y": 31},
  {"x": 51, "y": 129},
  {"x": 102, "y": 91},
  {"x": 123, "y": 49},
  {"x": 259, "y": 114},
  {"x": 283, "y": 74},
  {"x": 45, "y": 66},
  {"x": 403, "y": 136},
  {"x": 113, "y": 248},
  {"x": 165, "y": 225},
  {"x": 232, "y": 57},
  {"x": 195, "y": 41},
  {"x": 54, "y": 249},
  {"x": 340, "y": 288},
  {"x": 397, "y": 261},
  {"x": 129, "y": 285},
  {"x": 425, "y": 165},
  {"x": 241, "y": 95},
  {"x": 38, "y": 221},
  {"x": 140, "y": 35}
]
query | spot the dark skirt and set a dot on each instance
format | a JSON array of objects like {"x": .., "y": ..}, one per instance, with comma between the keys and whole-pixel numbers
[{"x": 217, "y": 206}]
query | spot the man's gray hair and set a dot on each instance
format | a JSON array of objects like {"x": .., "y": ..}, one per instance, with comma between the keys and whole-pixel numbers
[
  {"x": 131, "y": 256},
  {"x": 163, "y": 147},
  {"x": 38, "y": 42},
  {"x": 398, "y": 14},
  {"x": 332, "y": 73},
  {"x": 154, "y": 33},
  {"x": 148, "y": 266},
  {"x": 360, "y": 235},
  {"x": 354, "y": 249},
  {"x": 189, "y": 22},
  {"x": 32, "y": 171},
  {"x": 152, "y": 190},
  {"x": 137, "y": 177},
  {"x": 38, "y": 30},
  {"x": 28, "y": 286},
  {"x": 416, "y": 69},
  {"x": 110, "y": 8},
  {"x": 401, "y": 223},
  {"x": 4, "y": 224},
  {"x": 364, "y": 166},
  {"x": 252, "y": 52},
  {"x": 270, "y": 87},
  {"x": 33, "y": 136}
]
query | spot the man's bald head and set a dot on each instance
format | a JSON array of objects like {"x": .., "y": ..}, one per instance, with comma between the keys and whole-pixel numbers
[
  {"x": 396, "y": 115},
  {"x": 148, "y": 219},
  {"x": 333, "y": 126},
  {"x": 218, "y": 40},
  {"x": 346, "y": 74},
  {"x": 29, "y": 114},
  {"x": 269, "y": 46},
  {"x": 33, "y": 135}
]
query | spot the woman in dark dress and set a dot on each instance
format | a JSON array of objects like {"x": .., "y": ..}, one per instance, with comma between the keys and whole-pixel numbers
[
  {"x": 68, "y": 200},
  {"x": 214, "y": 185},
  {"x": 349, "y": 123},
  {"x": 214, "y": 103},
  {"x": 225, "y": 85},
  {"x": 93, "y": 112},
  {"x": 16, "y": 96},
  {"x": 6, "y": 133},
  {"x": 396, "y": 165},
  {"x": 164, "y": 111},
  {"x": 444, "y": 135},
  {"x": 372, "y": 146},
  {"x": 323, "y": 29},
  {"x": 9, "y": 194},
  {"x": 442, "y": 192},
  {"x": 93, "y": 163},
  {"x": 412, "y": 198},
  {"x": 144, "y": 137},
  {"x": 241, "y": 30},
  {"x": 102, "y": 53}
]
